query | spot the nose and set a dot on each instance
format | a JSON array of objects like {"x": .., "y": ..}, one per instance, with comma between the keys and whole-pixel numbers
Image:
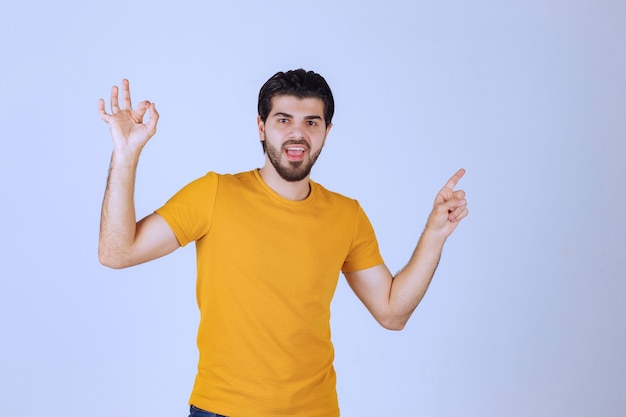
[{"x": 296, "y": 132}]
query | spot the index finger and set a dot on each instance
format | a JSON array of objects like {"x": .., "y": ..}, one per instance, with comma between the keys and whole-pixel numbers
[{"x": 454, "y": 179}]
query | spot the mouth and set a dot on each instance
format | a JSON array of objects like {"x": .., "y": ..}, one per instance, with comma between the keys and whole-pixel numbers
[{"x": 295, "y": 152}]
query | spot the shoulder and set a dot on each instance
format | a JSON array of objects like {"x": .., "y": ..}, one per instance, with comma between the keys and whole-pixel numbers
[
  {"x": 213, "y": 179},
  {"x": 329, "y": 193},
  {"x": 337, "y": 200}
]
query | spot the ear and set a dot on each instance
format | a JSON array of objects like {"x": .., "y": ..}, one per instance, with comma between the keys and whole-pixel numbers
[
  {"x": 261, "y": 126},
  {"x": 327, "y": 131},
  {"x": 326, "y": 134},
  {"x": 328, "y": 128}
]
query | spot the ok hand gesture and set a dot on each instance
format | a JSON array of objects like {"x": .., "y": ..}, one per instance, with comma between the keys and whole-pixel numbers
[
  {"x": 449, "y": 208},
  {"x": 128, "y": 131}
]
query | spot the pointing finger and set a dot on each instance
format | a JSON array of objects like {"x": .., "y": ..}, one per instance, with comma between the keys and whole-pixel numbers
[
  {"x": 454, "y": 179},
  {"x": 141, "y": 110},
  {"x": 154, "y": 118}
]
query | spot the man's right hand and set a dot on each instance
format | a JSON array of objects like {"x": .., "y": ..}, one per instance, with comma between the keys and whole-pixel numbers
[
  {"x": 124, "y": 241},
  {"x": 128, "y": 131}
]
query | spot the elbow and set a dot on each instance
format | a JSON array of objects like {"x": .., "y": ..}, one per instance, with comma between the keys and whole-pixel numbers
[
  {"x": 394, "y": 324},
  {"x": 391, "y": 319},
  {"x": 111, "y": 261},
  {"x": 396, "y": 327}
]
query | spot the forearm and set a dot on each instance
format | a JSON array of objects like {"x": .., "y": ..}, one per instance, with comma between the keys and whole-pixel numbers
[
  {"x": 411, "y": 283},
  {"x": 392, "y": 300},
  {"x": 118, "y": 220}
]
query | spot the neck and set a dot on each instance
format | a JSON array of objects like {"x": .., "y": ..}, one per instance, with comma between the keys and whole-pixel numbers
[{"x": 292, "y": 190}]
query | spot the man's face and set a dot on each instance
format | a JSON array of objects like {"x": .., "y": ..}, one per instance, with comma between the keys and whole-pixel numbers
[{"x": 294, "y": 135}]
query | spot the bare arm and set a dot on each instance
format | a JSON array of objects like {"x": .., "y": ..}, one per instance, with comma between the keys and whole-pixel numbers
[
  {"x": 392, "y": 300},
  {"x": 124, "y": 241}
]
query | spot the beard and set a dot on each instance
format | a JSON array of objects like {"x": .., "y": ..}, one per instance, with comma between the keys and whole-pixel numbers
[{"x": 291, "y": 171}]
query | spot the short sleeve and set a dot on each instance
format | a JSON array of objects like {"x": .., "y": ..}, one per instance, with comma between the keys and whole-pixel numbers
[
  {"x": 364, "y": 252},
  {"x": 189, "y": 212}
]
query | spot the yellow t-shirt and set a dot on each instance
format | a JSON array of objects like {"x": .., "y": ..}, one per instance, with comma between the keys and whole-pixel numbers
[{"x": 267, "y": 271}]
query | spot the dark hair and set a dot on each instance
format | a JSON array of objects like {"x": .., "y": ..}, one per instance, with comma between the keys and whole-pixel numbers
[{"x": 299, "y": 83}]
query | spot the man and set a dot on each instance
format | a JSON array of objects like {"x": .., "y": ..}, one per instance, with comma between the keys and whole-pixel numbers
[{"x": 270, "y": 245}]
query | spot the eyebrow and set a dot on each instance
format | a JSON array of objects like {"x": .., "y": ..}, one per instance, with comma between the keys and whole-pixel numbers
[{"x": 289, "y": 116}]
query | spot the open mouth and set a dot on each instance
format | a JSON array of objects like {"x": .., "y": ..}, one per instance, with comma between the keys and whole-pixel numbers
[{"x": 295, "y": 152}]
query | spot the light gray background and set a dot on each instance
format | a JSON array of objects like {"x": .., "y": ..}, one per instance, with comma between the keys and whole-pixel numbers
[{"x": 525, "y": 316}]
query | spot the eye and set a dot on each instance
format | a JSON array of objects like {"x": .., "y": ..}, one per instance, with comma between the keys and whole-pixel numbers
[
  {"x": 283, "y": 120},
  {"x": 311, "y": 122}
]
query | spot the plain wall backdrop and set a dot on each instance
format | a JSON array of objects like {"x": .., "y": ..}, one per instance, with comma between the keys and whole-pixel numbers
[{"x": 525, "y": 316}]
